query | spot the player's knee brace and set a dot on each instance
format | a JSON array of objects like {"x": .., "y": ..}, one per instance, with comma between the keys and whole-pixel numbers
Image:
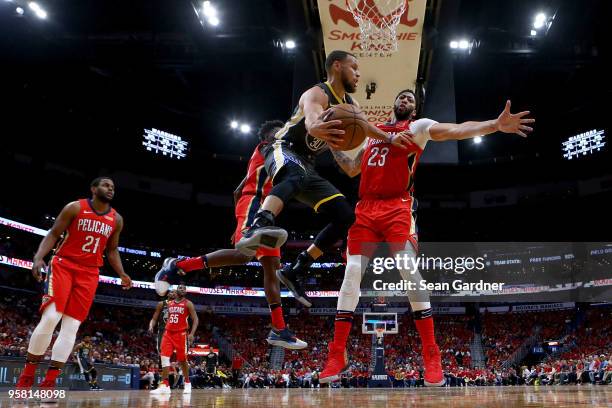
[
  {"x": 419, "y": 299},
  {"x": 288, "y": 182},
  {"x": 65, "y": 340},
  {"x": 41, "y": 337},
  {"x": 349, "y": 292}
]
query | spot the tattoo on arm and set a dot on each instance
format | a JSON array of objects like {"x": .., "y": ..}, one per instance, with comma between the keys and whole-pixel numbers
[{"x": 351, "y": 166}]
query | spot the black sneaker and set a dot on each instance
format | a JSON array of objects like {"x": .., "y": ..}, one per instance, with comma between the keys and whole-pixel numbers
[
  {"x": 262, "y": 233},
  {"x": 291, "y": 278}
]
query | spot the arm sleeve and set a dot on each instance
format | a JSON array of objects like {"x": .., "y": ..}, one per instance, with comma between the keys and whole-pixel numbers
[{"x": 421, "y": 127}]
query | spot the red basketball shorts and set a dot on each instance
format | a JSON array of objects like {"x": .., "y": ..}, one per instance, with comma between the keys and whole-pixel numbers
[
  {"x": 382, "y": 220},
  {"x": 174, "y": 341},
  {"x": 246, "y": 208},
  {"x": 71, "y": 287}
]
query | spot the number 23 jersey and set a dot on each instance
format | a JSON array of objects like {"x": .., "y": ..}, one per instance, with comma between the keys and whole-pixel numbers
[
  {"x": 387, "y": 171},
  {"x": 85, "y": 238}
]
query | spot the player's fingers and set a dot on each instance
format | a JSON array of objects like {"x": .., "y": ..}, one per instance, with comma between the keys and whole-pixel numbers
[
  {"x": 326, "y": 114},
  {"x": 518, "y": 132},
  {"x": 523, "y": 113},
  {"x": 527, "y": 128},
  {"x": 507, "y": 107},
  {"x": 527, "y": 120},
  {"x": 334, "y": 132},
  {"x": 331, "y": 123}
]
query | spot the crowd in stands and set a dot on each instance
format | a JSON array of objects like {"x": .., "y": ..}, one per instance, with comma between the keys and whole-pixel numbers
[{"x": 120, "y": 338}]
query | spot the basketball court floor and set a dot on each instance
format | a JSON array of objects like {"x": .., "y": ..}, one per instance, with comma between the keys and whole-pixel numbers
[{"x": 482, "y": 397}]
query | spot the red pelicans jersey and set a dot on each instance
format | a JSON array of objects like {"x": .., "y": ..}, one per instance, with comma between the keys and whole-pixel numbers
[
  {"x": 257, "y": 181},
  {"x": 387, "y": 171},
  {"x": 177, "y": 316},
  {"x": 86, "y": 237}
]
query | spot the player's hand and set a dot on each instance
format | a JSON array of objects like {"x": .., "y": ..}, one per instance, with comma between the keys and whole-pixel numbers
[
  {"x": 126, "y": 282},
  {"x": 190, "y": 339},
  {"x": 38, "y": 267},
  {"x": 402, "y": 139},
  {"x": 150, "y": 330},
  {"x": 513, "y": 123},
  {"x": 325, "y": 130}
]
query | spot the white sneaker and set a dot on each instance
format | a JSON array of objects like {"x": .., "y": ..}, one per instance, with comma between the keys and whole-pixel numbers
[
  {"x": 187, "y": 389},
  {"x": 162, "y": 389}
]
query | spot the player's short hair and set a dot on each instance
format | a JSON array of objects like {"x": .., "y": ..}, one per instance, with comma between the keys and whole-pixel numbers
[
  {"x": 336, "y": 55},
  {"x": 96, "y": 182},
  {"x": 405, "y": 91},
  {"x": 267, "y": 127}
]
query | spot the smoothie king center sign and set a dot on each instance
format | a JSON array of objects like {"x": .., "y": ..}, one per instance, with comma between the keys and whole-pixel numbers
[{"x": 391, "y": 71}]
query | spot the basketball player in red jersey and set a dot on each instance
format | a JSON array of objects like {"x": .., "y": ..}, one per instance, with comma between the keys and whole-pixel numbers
[
  {"x": 91, "y": 227},
  {"x": 255, "y": 186},
  {"x": 384, "y": 214},
  {"x": 176, "y": 339}
]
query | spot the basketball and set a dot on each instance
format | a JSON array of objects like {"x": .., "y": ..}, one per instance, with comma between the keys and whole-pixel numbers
[{"x": 354, "y": 124}]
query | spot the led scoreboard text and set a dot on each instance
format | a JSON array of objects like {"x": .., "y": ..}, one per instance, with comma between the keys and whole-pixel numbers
[
  {"x": 583, "y": 144},
  {"x": 167, "y": 144}
]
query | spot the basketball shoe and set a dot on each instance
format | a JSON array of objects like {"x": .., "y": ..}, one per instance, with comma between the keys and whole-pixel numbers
[
  {"x": 166, "y": 276},
  {"x": 292, "y": 276},
  {"x": 434, "y": 377},
  {"x": 187, "y": 388},
  {"x": 262, "y": 233},
  {"x": 286, "y": 339},
  {"x": 161, "y": 389},
  {"x": 337, "y": 363}
]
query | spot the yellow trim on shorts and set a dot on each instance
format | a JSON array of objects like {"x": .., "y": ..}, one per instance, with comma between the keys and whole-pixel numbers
[
  {"x": 50, "y": 279},
  {"x": 323, "y": 201}
]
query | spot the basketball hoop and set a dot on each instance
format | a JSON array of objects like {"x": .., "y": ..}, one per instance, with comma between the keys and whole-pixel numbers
[
  {"x": 378, "y": 21},
  {"x": 380, "y": 331}
]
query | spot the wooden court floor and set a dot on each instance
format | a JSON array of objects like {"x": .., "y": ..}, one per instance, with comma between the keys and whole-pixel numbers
[{"x": 481, "y": 397}]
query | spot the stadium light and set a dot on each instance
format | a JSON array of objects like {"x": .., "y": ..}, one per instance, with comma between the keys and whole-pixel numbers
[
  {"x": 464, "y": 44},
  {"x": 478, "y": 139},
  {"x": 214, "y": 21},
  {"x": 539, "y": 21},
  {"x": 244, "y": 128},
  {"x": 234, "y": 124},
  {"x": 20, "y": 11},
  {"x": 454, "y": 45},
  {"x": 209, "y": 10},
  {"x": 534, "y": 33},
  {"x": 290, "y": 44}
]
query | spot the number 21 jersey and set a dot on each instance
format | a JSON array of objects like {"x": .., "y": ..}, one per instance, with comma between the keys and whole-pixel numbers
[{"x": 85, "y": 238}]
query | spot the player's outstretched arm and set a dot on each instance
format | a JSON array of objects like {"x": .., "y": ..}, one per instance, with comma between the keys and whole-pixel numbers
[
  {"x": 351, "y": 166},
  {"x": 194, "y": 321},
  {"x": 112, "y": 253},
  {"x": 153, "y": 322},
  {"x": 65, "y": 217},
  {"x": 506, "y": 122}
]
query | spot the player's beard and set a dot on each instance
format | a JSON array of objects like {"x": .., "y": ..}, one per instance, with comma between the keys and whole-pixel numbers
[
  {"x": 404, "y": 114},
  {"x": 102, "y": 197},
  {"x": 349, "y": 87}
]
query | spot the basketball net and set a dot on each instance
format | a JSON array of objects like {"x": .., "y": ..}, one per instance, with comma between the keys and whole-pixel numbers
[
  {"x": 380, "y": 332},
  {"x": 378, "y": 21}
]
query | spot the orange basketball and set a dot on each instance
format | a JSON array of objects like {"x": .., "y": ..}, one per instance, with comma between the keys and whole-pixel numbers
[{"x": 354, "y": 124}]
